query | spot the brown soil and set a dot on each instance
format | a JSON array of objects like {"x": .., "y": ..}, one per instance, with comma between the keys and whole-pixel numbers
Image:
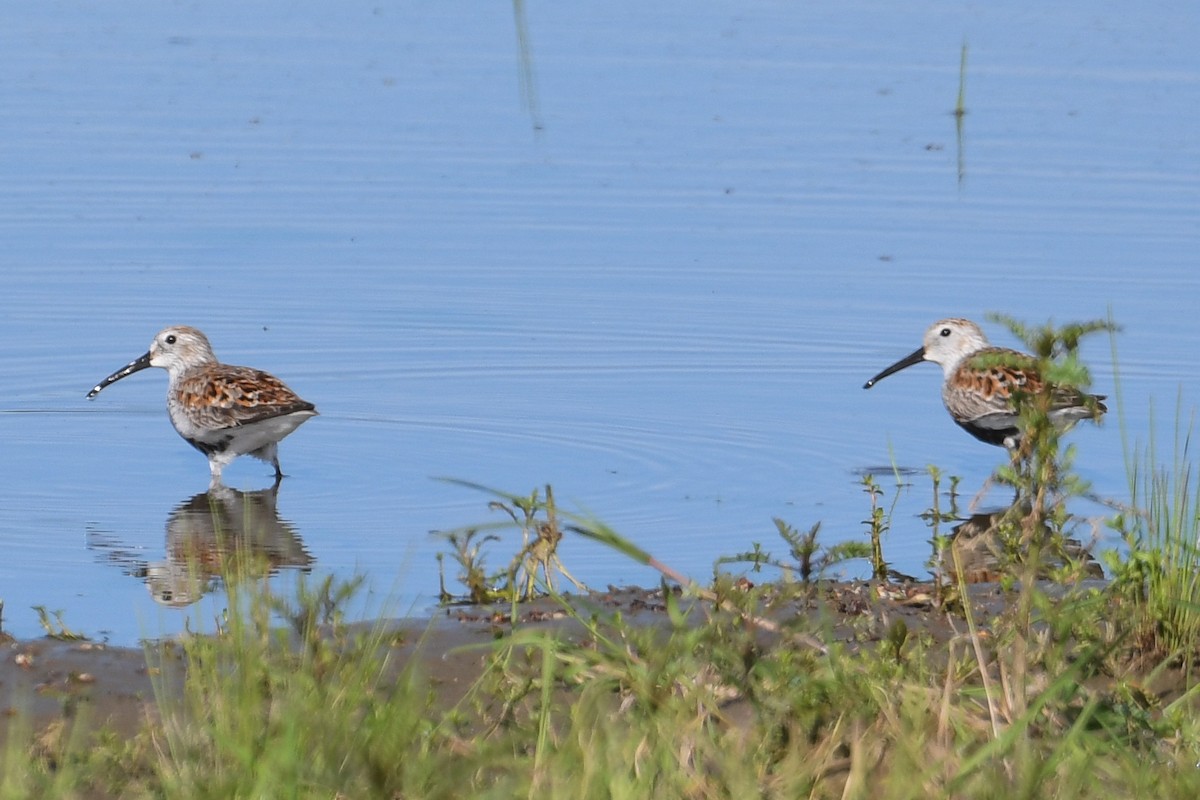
[{"x": 47, "y": 680}]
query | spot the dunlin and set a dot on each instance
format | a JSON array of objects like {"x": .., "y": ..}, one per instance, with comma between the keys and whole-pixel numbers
[
  {"x": 979, "y": 392},
  {"x": 221, "y": 410}
]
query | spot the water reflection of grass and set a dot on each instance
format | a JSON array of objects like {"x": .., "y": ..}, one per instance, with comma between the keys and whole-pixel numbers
[{"x": 1045, "y": 689}]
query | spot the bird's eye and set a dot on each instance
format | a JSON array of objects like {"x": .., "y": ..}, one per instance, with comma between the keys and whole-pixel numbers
[
  {"x": 171, "y": 339},
  {"x": 945, "y": 332}
]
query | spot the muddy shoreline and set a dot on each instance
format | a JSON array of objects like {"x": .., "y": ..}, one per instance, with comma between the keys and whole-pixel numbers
[{"x": 45, "y": 680}]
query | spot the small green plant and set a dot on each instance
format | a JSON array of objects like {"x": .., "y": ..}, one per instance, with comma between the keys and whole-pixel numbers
[
  {"x": 468, "y": 551},
  {"x": 934, "y": 515},
  {"x": 813, "y": 560},
  {"x": 539, "y": 543},
  {"x": 935, "y": 518},
  {"x": 877, "y": 526},
  {"x": 806, "y": 557},
  {"x": 532, "y": 570},
  {"x": 54, "y": 626}
]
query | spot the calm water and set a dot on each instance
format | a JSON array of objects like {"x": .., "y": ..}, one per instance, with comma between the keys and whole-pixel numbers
[{"x": 647, "y": 253}]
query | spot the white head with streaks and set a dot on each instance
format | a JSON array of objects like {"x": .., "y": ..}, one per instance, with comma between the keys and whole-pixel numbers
[
  {"x": 949, "y": 341},
  {"x": 180, "y": 348}
]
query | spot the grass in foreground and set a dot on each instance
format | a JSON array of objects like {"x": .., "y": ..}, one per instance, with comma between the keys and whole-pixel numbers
[{"x": 702, "y": 703}]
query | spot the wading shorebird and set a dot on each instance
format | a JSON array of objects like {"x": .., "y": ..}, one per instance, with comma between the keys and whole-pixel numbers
[
  {"x": 979, "y": 392},
  {"x": 221, "y": 410}
]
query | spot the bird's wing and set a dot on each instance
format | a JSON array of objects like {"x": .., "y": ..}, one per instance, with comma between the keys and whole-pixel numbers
[{"x": 227, "y": 396}]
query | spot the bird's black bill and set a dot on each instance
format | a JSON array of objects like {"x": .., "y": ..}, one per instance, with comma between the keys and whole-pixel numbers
[
  {"x": 915, "y": 358},
  {"x": 128, "y": 369}
]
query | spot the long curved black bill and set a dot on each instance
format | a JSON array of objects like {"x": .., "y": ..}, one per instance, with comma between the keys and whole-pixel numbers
[
  {"x": 128, "y": 369},
  {"x": 916, "y": 357}
]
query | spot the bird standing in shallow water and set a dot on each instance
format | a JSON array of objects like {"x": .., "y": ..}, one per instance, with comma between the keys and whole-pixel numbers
[
  {"x": 222, "y": 410},
  {"x": 980, "y": 382}
]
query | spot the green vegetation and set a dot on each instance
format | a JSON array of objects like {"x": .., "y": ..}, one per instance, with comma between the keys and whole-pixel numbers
[
  {"x": 52, "y": 623},
  {"x": 792, "y": 686},
  {"x": 535, "y": 564},
  {"x": 960, "y": 105}
]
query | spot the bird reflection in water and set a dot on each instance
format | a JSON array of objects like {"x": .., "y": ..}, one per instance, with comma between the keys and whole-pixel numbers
[
  {"x": 220, "y": 535},
  {"x": 977, "y": 547}
]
